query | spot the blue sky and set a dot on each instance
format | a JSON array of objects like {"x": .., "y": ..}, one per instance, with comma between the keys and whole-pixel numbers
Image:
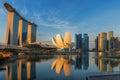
[{"x": 59, "y": 16}]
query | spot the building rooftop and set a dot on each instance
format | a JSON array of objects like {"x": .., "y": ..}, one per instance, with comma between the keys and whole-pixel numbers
[{"x": 11, "y": 9}]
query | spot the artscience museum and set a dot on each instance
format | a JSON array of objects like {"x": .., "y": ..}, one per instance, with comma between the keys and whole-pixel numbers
[{"x": 61, "y": 43}]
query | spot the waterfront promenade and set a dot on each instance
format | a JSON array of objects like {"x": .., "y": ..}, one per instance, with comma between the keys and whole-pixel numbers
[{"x": 104, "y": 76}]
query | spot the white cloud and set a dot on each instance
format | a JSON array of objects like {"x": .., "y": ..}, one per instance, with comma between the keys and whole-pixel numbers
[
  {"x": 24, "y": 11},
  {"x": 52, "y": 22},
  {"x": 2, "y": 11}
]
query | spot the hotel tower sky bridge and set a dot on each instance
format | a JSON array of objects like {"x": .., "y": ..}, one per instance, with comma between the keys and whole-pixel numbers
[{"x": 19, "y": 30}]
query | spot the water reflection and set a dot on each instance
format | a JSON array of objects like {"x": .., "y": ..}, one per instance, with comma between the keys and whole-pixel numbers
[
  {"x": 63, "y": 62},
  {"x": 60, "y": 67},
  {"x": 21, "y": 71},
  {"x": 82, "y": 61},
  {"x": 106, "y": 65}
]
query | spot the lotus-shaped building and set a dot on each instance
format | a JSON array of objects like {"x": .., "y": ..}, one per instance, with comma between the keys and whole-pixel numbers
[{"x": 61, "y": 43}]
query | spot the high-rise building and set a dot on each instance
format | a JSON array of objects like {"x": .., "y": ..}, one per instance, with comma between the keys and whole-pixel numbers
[
  {"x": 103, "y": 41},
  {"x": 96, "y": 43},
  {"x": 22, "y": 32},
  {"x": 19, "y": 30},
  {"x": 12, "y": 26},
  {"x": 78, "y": 41},
  {"x": 85, "y": 42},
  {"x": 110, "y": 41},
  {"x": 31, "y": 36}
]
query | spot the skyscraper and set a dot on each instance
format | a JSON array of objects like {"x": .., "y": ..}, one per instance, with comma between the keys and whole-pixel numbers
[
  {"x": 78, "y": 41},
  {"x": 19, "y": 30},
  {"x": 31, "y": 36},
  {"x": 85, "y": 42},
  {"x": 110, "y": 41},
  {"x": 103, "y": 41},
  {"x": 22, "y": 32},
  {"x": 96, "y": 43},
  {"x": 12, "y": 26}
]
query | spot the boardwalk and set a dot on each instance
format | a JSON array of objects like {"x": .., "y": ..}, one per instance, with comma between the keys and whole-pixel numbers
[{"x": 104, "y": 76}]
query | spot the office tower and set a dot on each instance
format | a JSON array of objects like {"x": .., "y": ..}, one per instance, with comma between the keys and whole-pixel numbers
[
  {"x": 31, "y": 36},
  {"x": 85, "y": 42},
  {"x": 22, "y": 32},
  {"x": 96, "y": 43},
  {"x": 110, "y": 41},
  {"x": 12, "y": 26},
  {"x": 78, "y": 41},
  {"x": 103, "y": 41}
]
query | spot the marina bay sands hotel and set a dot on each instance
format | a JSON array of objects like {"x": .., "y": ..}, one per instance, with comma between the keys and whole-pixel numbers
[{"x": 19, "y": 30}]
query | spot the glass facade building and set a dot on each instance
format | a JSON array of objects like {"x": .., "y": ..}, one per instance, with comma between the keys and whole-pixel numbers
[
  {"x": 12, "y": 29},
  {"x": 31, "y": 36},
  {"x": 96, "y": 43},
  {"x": 22, "y": 32},
  {"x": 102, "y": 41},
  {"x": 78, "y": 41},
  {"x": 110, "y": 40},
  {"x": 85, "y": 42},
  {"x": 19, "y": 30}
]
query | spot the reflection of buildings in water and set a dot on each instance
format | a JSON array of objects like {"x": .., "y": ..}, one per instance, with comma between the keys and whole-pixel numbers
[
  {"x": 105, "y": 65},
  {"x": 31, "y": 70},
  {"x": 21, "y": 71},
  {"x": 11, "y": 72},
  {"x": 78, "y": 62},
  {"x": 62, "y": 63},
  {"x": 102, "y": 64},
  {"x": 82, "y": 61}
]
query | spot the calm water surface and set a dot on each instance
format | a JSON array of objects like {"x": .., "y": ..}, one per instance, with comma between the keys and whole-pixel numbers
[{"x": 57, "y": 67}]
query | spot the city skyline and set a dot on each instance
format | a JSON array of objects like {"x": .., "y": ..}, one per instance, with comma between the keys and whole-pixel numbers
[{"x": 53, "y": 17}]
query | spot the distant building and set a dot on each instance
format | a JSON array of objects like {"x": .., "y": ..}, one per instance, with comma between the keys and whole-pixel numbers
[
  {"x": 96, "y": 43},
  {"x": 82, "y": 43},
  {"x": 116, "y": 43},
  {"x": 103, "y": 41},
  {"x": 110, "y": 41},
  {"x": 78, "y": 41},
  {"x": 85, "y": 42}
]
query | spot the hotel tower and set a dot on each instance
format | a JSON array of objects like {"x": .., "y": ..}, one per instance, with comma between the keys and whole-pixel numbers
[{"x": 19, "y": 30}]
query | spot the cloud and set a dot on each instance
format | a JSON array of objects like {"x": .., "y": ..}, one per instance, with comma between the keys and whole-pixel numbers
[
  {"x": 24, "y": 10},
  {"x": 2, "y": 11},
  {"x": 52, "y": 22}
]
